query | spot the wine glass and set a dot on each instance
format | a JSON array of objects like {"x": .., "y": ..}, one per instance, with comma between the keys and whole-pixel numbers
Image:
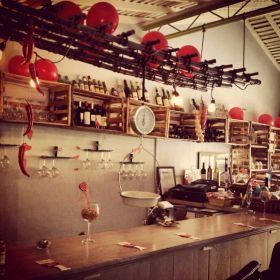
[
  {"x": 264, "y": 196},
  {"x": 248, "y": 199},
  {"x": 86, "y": 162},
  {"x": 4, "y": 162},
  {"x": 89, "y": 213},
  {"x": 54, "y": 170}
]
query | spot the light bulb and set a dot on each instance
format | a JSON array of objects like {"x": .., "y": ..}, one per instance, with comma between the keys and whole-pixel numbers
[{"x": 212, "y": 106}]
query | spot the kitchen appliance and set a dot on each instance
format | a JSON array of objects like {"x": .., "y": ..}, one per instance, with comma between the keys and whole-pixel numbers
[{"x": 196, "y": 191}]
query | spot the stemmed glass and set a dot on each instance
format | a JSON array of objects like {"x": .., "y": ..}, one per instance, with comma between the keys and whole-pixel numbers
[
  {"x": 264, "y": 196},
  {"x": 44, "y": 171},
  {"x": 89, "y": 213},
  {"x": 109, "y": 161},
  {"x": 86, "y": 162},
  {"x": 4, "y": 162},
  {"x": 248, "y": 199},
  {"x": 54, "y": 170}
]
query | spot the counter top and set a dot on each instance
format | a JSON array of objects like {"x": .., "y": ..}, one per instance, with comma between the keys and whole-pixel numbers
[{"x": 105, "y": 252}]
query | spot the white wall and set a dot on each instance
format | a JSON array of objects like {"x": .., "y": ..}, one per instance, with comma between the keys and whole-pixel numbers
[{"x": 36, "y": 208}]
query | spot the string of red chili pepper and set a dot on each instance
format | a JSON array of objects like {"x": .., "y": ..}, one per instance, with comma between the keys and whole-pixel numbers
[
  {"x": 29, "y": 112},
  {"x": 21, "y": 158},
  {"x": 34, "y": 77},
  {"x": 28, "y": 46}
]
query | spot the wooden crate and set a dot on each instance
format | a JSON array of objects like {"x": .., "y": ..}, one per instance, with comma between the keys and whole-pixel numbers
[
  {"x": 215, "y": 129},
  {"x": 182, "y": 125},
  {"x": 238, "y": 132},
  {"x": 259, "y": 134},
  {"x": 161, "y": 117},
  {"x": 54, "y": 107}
]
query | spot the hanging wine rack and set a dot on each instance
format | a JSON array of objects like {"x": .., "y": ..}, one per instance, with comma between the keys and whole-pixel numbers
[{"x": 114, "y": 52}]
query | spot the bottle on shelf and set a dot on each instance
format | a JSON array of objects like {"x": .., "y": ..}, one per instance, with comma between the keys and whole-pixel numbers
[
  {"x": 90, "y": 85},
  {"x": 114, "y": 92},
  {"x": 216, "y": 173},
  {"x": 85, "y": 83},
  {"x": 158, "y": 98},
  {"x": 133, "y": 91},
  {"x": 60, "y": 79},
  {"x": 105, "y": 88},
  {"x": 86, "y": 115},
  {"x": 66, "y": 80},
  {"x": 80, "y": 82},
  {"x": 75, "y": 84},
  {"x": 101, "y": 89},
  {"x": 79, "y": 116},
  {"x": 139, "y": 91},
  {"x": 103, "y": 114},
  {"x": 165, "y": 99},
  {"x": 97, "y": 116},
  {"x": 209, "y": 173},
  {"x": 127, "y": 90},
  {"x": 92, "y": 115},
  {"x": 146, "y": 96},
  {"x": 203, "y": 171},
  {"x": 96, "y": 87},
  {"x": 120, "y": 89},
  {"x": 224, "y": 177}
]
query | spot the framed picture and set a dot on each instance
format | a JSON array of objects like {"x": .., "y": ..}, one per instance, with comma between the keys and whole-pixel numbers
[{"x": 166, "y": 178}]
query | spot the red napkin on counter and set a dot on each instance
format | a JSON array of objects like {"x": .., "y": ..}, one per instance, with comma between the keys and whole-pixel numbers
[{"x": 131, "y": 245}]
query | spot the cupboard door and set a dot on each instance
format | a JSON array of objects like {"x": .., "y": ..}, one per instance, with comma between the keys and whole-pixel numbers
[
  {"x": 138, "y": 270},
  {"x": 229, "y": 257},
  {"x": 161, "y": 267},
  {"x": 273, "y": 238},
  {"x": 191, "y": 264}
]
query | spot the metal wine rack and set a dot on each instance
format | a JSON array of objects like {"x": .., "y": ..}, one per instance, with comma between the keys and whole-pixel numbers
[{"x": 116, "y": 53}]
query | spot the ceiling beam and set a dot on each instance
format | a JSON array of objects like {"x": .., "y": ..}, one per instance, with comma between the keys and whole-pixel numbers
[
  {"x": 247, "y": 15},
  {"x": 189, "y": 12}
]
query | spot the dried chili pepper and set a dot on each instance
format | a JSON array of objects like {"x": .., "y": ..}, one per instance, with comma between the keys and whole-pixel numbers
[
  {"x": 21, "y": 158},
  {"x": 28, "y": 46},
  {"x": 29, "y": 111},
  {"x": 33, "y": 75},
  {"x": 203, "y": 112}
]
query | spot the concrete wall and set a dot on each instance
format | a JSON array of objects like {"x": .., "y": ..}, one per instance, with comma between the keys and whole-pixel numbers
[{"x": 34, "y": 208}]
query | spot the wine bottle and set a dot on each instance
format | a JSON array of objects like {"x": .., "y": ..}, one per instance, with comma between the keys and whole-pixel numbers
[
  {"x": 103, "y": 116},
  {"x": 127, "y": 90},
  {"x": 92, "y": 115},
  {"x": 216, "y": 174},
  {"x": 105, "y": 88},
  {"x": 101, "y": 89},
  {"x": 209, "y": 172},
  {"x": 133, "y": 91},
  {"x": 96, "y": 88},
  {"x": 80, "y": 82},
  {"x": 98, "y": 116},
  {"x": 114, "y": 92},
  {"x": 74, "y": 84},
  {"x": 165, "y": 99},
  {"x": 66, "y": 80},
  {"x": 80, "y": 114},
  {"x": 139, "y": 91},
  {"x": 158, "y": 98},
  {"x": 86, "y": 115},
  {"x": 90, "y": 85},
  {"x": 203, "y": 171}
]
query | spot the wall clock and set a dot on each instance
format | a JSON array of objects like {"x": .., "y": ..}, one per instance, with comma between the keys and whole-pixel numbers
[{"x": 143, "y": 121}]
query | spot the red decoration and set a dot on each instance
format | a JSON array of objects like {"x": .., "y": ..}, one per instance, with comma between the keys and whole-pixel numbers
[
  {"x": 103, "y": 13},
  {"x": 277, "y": 122},
  {"x": 67, "y": 10},
  {"x": 188, "y": 50},
  {"x": 46, "y": 70},
  {"x": 161, "y": 46},
  {"x": 16, "y": 66},
  {"x": 266, "y": 119},
  {"x": 236, "y": 113}
]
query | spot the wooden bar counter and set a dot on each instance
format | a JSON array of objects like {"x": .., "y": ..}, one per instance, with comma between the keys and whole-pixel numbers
[{"x": 222, "y": 250}]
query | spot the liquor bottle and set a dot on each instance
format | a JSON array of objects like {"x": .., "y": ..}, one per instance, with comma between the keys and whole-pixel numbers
[
  {"x": 139, "y": 91},
  {"x": 120, "y": 89},
  {"x": 66, "y": 80},
  {"x": 133, "y": 91},
  {"x": 146, "y": 96},
  {"x": 101, "y": 89},
  {"x": 203, "y": 171},
  {"x": 92, "y": 115},
  {"x": 80, "y": 114},
  {"x": 105, "y": 88},
  {"x": 96, "y": 87},
  {"x": 114, "y": 92},
  {"x": 158, "y": 98},
  {"x": 74, "y": 84},
  {"x": 60, "y": 79},
  {"x": 85, "y": 82},
  {"x": 165, "y": 99},
  {"x": 86, "y": 115},
  {"x": 216, "y": 174},
  {"x": 80, "y": 82},
  {"x": 127, "y": 90},
  {"x": 224, "y": 177},
  {"x": 103, "y": 117},
  {"x": 209, "y": 172}
]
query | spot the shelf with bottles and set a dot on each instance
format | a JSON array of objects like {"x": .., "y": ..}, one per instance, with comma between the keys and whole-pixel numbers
[
  {"x": 240, "y": 158},
  {"x": 216, "y": 129},
  {"x": 259, "y": 134},
  {"x": 182, "y": 125},
  {"x": 98, "y": 111},
  {"x": 274, "y": 137},
  {"x": 259, "y": 158},
  {"x": 275, "y": 160},
  {"x": 161, "y": 117},
  {"x": 51, "y": 108},
  {"x": 238, "y": 132}
]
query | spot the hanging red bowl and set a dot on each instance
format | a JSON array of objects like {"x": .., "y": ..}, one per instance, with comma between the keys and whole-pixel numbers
[
  {"x": 46, "y": 70},
  {"x": 265, "y": 119},
  {"x": 236, "y": 113},
  {"x": 277, "y": 122}
]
